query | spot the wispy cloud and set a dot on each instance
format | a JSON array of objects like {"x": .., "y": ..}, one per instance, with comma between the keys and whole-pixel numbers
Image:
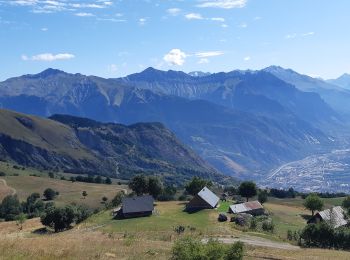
[
  {"x": 243, "y": 25},
  {"x": 291, "y": 36},
  {"x": 194, "y": 16},
  {"x": 174, "y": 11},
  {"x": 53, "y": 6},
  {"x": 225, "y": 4},
  {"x": 142, "y": 21},
  {"x": 203, "y": 61},
  {"x": 209, "y": 54},
  {"x": 48, "y": 57},
  {"x": 295, "y": 35},
  {"x": 247, "y": 58},
  {"x": 84, "y": 14},
  {"x": 217, "y": 19},
  {"x": 308, "y": 34}
]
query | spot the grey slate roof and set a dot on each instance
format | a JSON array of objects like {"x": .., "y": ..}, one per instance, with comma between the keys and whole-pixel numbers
[
  {"x": 245, "y": 207},
  {"x": 137, "y": 204},
  {"x": 209, "y": 197},
  {"x": 334, "y": 216}
]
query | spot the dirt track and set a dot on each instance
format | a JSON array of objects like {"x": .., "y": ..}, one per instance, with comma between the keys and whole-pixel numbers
[
  {"x": 13, "y": 191},
  {"x": 256, "y": 241}
]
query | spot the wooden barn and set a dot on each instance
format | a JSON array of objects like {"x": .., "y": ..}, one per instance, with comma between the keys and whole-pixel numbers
[
  {"x": 252, "y": 207},
  {"x": 140, "y": 206},
  {"x": 205, "y": 199},
  {"x": 334, "y": 216}
]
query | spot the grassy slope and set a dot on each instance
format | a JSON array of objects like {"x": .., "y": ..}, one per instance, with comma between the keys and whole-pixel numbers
[
  {"x": 168, "y": 215},
  {"x": 141, "y": 238},
  {"x": 44, "y": 133},
  {"x": 24, "y": 184}
]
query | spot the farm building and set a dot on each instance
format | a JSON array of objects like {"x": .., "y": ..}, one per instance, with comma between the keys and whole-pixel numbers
[
  {"x": 334, "y": 216},
  {"x": 252, "y": 207},
  {"x": 137, "y": 207},
  {"x": 205, "y": 199}
]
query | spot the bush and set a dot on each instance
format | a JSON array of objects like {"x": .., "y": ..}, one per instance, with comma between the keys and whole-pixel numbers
[
  {"x": 222, "y": 217},
  {"x": 318, "y": 235},
  {"x": 62, "y": 218},
  {"x": 241, "y": 219},
  {"x": 253, "y": 223},
  {"x": 268, "y": 225},
  {"x": 189, "y": 248},
  {"x": 50, "y": 194},
  {"x": 2, "y": 174},
  {"x": 235, "y": 252},
  {"x": 10, "y": 208}
]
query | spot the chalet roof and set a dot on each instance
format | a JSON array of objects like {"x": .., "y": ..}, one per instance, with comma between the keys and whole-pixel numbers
[
  {"x": 334, "y": 216},
  {"x": 245, "y": 207},
  {"x": 137, "y": 204},
  {"x": 209, "y": 197}
]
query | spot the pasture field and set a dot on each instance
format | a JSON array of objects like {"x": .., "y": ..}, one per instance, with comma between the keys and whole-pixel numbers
[{"x": 27, "y": 181}]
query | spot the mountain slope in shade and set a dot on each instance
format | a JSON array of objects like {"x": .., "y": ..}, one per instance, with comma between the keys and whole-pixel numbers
[
  {"x": 343, "y": 81},
  {"x": 336, "y": 96},
  {"x": 86, "y": 146}
]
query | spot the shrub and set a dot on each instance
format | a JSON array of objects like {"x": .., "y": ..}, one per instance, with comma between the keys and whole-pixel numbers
[
  {"x": 268, "y": 225},
  {"x": 62, "y": 218},
  {"x": 49, "y": 194},
  {"x": 222, "y": 217},
  {"x": 2, "y": 174},
  {"x": 179, "y": 229},
  {"x": 253, "y": 223},
  {"x": 10, "y": 208},
  {"x": 318, "y": 235},
  {"x": 189, "y": 248},
  {"x": 235, "y": 252}
]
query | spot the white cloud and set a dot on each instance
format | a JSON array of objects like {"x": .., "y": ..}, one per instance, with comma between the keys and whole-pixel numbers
[
  {"x": 226, "y": 4},
  {"x": 203, "y": 61},
  {"x": 142, "y": 21},
  {"x": 24, "y": 2},
  {"x": 224, "y": 25},
  {"x": 308, "y": 34},
  {"x": 209, "y": 54},
  {"x": 84, "y": 14},
  {"x": 48, "y": 57},
  {"x": 175, "y": 57},
  {"x": 173, "y": 11},
  {"x": 291, "y": 36},
  {"x": 194, "y": 16},
  {"x": 52, "y": 6},
  {"x": 218, "y": 19},
  {"x": 44, "y": 29},
  {"x": 247, "y": 58}
]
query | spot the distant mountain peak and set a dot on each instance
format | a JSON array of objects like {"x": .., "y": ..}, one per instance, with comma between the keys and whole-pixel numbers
[{"x": 48, "y": 72}]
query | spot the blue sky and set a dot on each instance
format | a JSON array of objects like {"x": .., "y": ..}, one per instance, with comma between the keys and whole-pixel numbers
[{"x": 116, "y": 38}]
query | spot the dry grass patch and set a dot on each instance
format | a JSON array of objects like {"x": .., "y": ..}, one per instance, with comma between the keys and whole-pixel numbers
[
  {"x": 70, "y": 192},
  {"x": 29, "y": 225},
  {"x": 82, "y": 245}
]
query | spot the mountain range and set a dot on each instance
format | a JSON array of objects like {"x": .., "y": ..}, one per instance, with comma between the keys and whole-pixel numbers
[{"x": 244, "y": 123}]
